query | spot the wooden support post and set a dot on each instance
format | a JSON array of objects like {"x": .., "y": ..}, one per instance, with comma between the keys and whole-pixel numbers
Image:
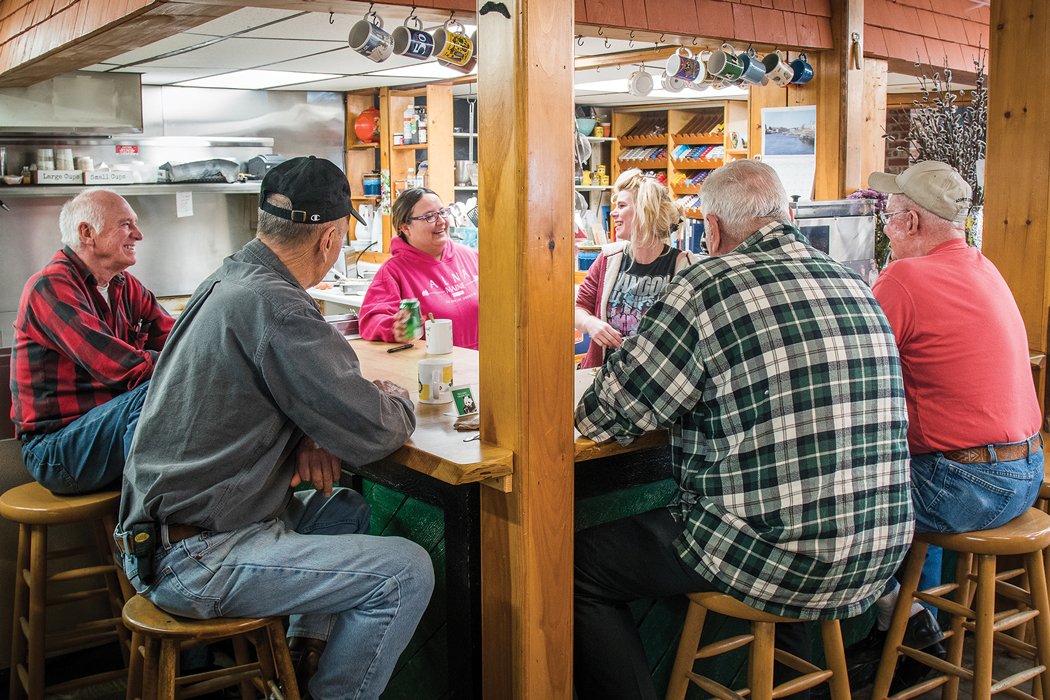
[
  {"x": 873, "y": 145},
  {"x": 837, "y": 91},
  {"x": 1017, "y": 170},
  {"x": 525, "y": 74}
]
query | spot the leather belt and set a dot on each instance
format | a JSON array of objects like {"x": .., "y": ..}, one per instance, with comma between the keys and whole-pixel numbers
[
  {"x": 176, "y": 533},
  {"x": 1006, "y": 453}
]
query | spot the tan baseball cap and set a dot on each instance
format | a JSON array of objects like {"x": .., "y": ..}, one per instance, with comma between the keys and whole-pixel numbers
[{"x": 931, "y": 184}]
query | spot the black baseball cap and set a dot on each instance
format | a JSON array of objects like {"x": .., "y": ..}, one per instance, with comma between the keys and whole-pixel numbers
[{"x": 318, "y": 189}]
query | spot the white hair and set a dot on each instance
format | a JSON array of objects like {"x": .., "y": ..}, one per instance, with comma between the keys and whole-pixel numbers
[
  {"x": 741, "y": 194},
  {"x": 84, "y": 208}
]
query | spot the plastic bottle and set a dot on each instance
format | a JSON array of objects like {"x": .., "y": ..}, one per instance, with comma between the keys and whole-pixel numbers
[
  {"x": 422, "y": 125},
  {"x": 410, "y": 178},
  {"x": 410, "y": 124}
]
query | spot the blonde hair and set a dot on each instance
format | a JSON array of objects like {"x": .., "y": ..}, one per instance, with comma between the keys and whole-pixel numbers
[{"x": 655, "y": 211}]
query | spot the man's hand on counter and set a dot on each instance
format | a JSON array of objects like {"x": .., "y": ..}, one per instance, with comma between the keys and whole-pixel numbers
[
  {"x": 315, "y": 465},
  {"x": 388, "y": 387}
]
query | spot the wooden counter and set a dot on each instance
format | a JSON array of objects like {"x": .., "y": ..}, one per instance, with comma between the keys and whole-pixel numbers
[{"x": 435, "y": 448}]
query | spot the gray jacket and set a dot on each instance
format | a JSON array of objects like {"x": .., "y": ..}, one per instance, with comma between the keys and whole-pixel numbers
[{"x": 249, "y": 368}]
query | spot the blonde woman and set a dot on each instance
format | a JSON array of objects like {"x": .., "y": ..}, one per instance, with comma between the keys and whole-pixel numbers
[{"x": 630, "y": 274}]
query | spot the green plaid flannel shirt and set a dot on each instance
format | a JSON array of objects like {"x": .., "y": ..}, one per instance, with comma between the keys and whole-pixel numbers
[{"x": 777, "y": 376}]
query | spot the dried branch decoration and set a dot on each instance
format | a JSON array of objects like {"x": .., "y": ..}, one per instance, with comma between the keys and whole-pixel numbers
[{"x": 955, "y": 135}]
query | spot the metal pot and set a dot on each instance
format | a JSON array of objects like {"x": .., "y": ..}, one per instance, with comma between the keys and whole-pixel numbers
[{"x": 462, "y": 175}]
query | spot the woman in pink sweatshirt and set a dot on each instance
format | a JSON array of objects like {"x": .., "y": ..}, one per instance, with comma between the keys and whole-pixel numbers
[{"x": 426, "y": 265}]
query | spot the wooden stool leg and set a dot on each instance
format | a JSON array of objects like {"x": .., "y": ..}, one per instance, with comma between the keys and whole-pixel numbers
[
  {"x": 686, "y": 654},
  {"x": 899, "y": 622},
  {"x": 1041, "y": 601},
  {"x": 135, "y": 664},
  {"x": 37, "y": 610},
  {"x": 964, "y": 594},
  {"x": 19, "y": 643},
  {"x": 242, "y": 656},
  {"x": 760, "y": 663},
  {"x": 167, "y": 669},
  {"x": 283, "y": 662},
  {"x": 150, "y": 668},
  {"x": 104, "y": 543},
  {"x": 835, "y": 658},
  {"x": 983, "y": 650}
]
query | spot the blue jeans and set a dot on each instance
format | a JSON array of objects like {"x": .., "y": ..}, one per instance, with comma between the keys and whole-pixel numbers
[
  {"x": 87, "y": 455},
  {"x": 362, "y": 594},
  {"x": 953, "y": 497}
]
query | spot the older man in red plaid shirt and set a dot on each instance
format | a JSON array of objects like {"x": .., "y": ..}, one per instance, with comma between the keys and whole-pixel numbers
[{"x": 87, "y": 337}]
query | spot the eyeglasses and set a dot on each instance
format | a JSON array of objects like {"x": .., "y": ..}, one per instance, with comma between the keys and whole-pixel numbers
[
  {"x": 432, "y": 216},
  {"x": 884, "y": 217}
]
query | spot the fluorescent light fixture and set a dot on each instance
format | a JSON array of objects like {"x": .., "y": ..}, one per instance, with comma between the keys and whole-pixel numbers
[
  {"x": 430, "y": 70},
  {"x": 256, "y": 79},
  {"x": 618, "y": 85}
]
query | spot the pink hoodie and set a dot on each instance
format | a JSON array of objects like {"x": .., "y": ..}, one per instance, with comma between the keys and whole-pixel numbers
[{"x": 447, "y": 288}]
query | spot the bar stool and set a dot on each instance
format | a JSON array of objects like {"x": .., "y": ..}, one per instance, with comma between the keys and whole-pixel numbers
[
  {"x": 35, "y": 509},
  {"x": 158, "y": 637},
  {"x": 973, "y": 610},
  {"x": 760, "y": 658}
]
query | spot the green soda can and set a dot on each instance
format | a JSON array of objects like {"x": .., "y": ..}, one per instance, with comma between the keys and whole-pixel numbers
[{"x": 414, "y": 324}]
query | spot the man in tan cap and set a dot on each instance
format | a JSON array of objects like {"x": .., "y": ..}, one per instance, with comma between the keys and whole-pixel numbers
[{"x": 973, "y": 433}]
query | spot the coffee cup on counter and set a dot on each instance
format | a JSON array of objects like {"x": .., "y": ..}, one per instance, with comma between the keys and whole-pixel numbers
[
  {"x": 368, "y": 38},
  {"x": 439, "y": 336},
  {"x": 435, "y": 380}
]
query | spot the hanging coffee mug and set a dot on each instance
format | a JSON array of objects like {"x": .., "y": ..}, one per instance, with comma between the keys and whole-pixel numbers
[
  {"x": 452, "y": 45},
  {"x": 673, "y": 84},
  {"x": 725, "y": 64},
  {"x": 368, "y": 38},
  {"x": 682, "y": 65},
  {"x": 469, "y": 66},
  {"x": 640, "y": 83},
  {"x": 752, "y": 69},
  {"x": 779, "y": 71},
  {"x": 802, "y": 71},
  {"x": 414, "y": 43}
]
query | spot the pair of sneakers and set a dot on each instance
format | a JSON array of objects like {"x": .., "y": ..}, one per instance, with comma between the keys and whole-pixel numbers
[{"x": 922, "y": 632}]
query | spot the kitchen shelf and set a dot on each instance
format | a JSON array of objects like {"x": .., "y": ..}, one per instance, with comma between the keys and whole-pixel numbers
[
  {"x": 657, "y": 164},
  {"x": 679, "y": 188},
  {"x": 593, "y": 187},
  {"x": 601, "y": 138},
  {"x": 462, "y": 135},
  {"x": 409, "y": 147},
  {"x": 364, "y": 145},
  {"x": 364, "y": 198},
  {"x": 465, "y": 188},
  {"x": 697, "y": 163},
  {"x": 698, "y": 139},
  {"x": 15, "y": 191}
]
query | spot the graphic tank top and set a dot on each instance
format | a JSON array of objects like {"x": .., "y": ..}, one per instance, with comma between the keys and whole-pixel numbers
[{"x": 637, "y": 288}]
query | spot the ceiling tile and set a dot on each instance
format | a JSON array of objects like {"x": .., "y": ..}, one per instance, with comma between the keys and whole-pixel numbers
[
  {"x": 350, "y": 82},
  {"x": 170, "y": 76},
  {"x": 311, "y": 26},
  {"x": 342, "y": 60},
  {"x": 241, "y": 20},
  {"x": 239, "y": 54},
  {"x": 157, "y": 48}
]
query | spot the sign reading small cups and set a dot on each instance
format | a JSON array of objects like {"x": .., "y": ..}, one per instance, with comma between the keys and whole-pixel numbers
[
  {"x": 368, "y": 38},
  {"x": 414, "y": 43}
]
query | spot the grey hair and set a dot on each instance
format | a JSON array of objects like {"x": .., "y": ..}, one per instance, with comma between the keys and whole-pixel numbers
[
  {"x": 284, "y": 230},
  {"x": 742, "y": 195},
  {"x": 84, "y": 208}
]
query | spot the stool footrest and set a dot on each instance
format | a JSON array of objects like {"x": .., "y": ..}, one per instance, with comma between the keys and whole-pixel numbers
[
  {"x": 716, "y": 689},
  {"x": 797, "y": 685},
  {"x": 73, "y": 574},
  {"x": 211, "y": 681},
  {"x": 77, "y": 596},
  {"x": 920, "y": 689},
  {"x": 948, "y": 606},
  {"x": 1016, "y": 679},
  {"x": 724, "y": 645}
]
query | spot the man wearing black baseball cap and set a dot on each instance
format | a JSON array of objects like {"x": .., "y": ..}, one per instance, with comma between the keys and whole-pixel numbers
[
  {"x": 258, "y": 393},
  {"x": 973, "y": 415}
]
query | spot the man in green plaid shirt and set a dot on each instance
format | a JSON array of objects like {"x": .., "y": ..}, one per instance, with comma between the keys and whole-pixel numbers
[{"x": 776, "y": 373}]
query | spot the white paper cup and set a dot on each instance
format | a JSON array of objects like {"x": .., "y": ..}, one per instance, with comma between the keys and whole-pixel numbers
[
  {"x": 435, "y": 380},
  {"x": 439, "y": 336}
]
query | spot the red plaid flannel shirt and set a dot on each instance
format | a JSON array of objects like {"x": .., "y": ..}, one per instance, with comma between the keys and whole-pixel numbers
[{"x": 72, "y": 350}]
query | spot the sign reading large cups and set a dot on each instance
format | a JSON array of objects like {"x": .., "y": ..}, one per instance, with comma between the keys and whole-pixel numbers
[
  {"x": 452, "y": 45},
  {"x": 778, "y": 70},
  {"x": 368, "y": 38},
  {"x": 414, "y": 43},
  {"x": 802, "y": 71},
  {"x": 725, "y": 64},
  {"x": 682, "y": 65},
  {"x": 753, "y": 69}
]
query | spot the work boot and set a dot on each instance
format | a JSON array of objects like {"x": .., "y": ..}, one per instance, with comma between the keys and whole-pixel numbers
[
  {"x": 306, "y": 655},
  {"x": 862, "y": 658}
]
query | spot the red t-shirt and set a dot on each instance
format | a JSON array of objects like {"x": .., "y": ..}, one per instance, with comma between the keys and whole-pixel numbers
[{"x": 964, "y": 350}]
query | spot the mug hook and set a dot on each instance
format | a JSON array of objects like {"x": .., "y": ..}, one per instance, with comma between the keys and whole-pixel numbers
[
  {"x": 331, "y": 17},
  {"x": 579, "y": 39},
  {"x": 607, "y": 44},
  {"x": 600, "y": 31}
]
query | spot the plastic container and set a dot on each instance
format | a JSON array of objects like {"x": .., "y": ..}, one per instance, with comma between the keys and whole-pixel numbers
[{"x": 371, "y": 184}]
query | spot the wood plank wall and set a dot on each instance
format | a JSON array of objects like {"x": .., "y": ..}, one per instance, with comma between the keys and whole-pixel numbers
[{"x": 928, "y": 32}]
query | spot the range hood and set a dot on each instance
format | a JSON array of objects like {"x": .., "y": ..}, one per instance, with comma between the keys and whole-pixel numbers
[{"x": 76, "y": 103}]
